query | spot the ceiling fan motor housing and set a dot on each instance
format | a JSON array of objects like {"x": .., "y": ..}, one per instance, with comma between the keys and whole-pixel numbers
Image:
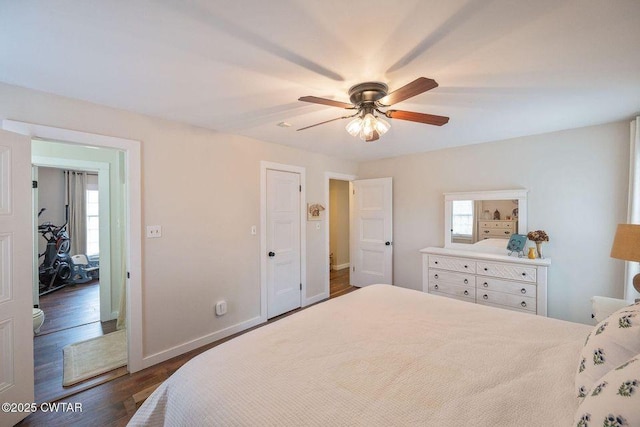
[{"x": 367, "y": 93}]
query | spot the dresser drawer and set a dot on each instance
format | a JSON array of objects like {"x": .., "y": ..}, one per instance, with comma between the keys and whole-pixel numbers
[
  {"x": 448, "y": 289},
  {"x": 496, "y": 232},
  {"x": 452, "y": 264},
  {"x": 491, "y": 284},
  {"x": 515, "y": 301},
  {"x": 461, "y": 279},
  {"x": 507, "y": 271},
  {"x": 498, "y": 224}
]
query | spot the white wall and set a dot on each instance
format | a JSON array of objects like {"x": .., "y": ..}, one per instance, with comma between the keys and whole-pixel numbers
[
  {"x": 203, "y": 188},
  {"x": 577, "y": 181}
]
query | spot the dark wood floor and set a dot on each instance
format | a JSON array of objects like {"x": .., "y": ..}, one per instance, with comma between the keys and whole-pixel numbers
[
  {"x": 113, "y": 404},
  {"x": 339, "y": 282},
  {"x": 71, "y": 306},
  {"x": 72, "y": 314}
]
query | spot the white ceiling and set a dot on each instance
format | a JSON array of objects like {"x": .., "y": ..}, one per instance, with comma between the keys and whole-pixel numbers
[{"x": 506, "y": 68}]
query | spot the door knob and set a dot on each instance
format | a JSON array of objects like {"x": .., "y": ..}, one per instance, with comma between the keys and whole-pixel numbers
[
  {"x": 271, "y": 254},
  {"x": 387, "y": 243}
]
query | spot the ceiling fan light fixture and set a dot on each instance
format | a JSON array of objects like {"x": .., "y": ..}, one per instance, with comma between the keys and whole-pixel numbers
[
  {"x": 354, "y": 126},
  {"x": 382, "y": 126},
  {"x": 368, "y": 128},
  {"x": 366, "y": 99}
]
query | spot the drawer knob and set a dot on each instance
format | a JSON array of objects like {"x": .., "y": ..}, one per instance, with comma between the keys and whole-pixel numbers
[
  {"x": 466, "y": 281},
  {"x": 524, "y": 304},
  {"x": 485, "y": 284},
  {"x": 523, "y": 290},
  {"x": 486, "y": 231},
  {"x": 507, "y": 232},
  {"x": 435, "y": 275},
  {"x": 485, "y": 296},
  {"x": 435, "y": 262},
  {"x": 436, "y": 287},
  {"x": 486, "y": 269},
  {"x": 466, "y": 266},
  {"x": 466, "y": 292},
  {"x": 524, "y": 274}
]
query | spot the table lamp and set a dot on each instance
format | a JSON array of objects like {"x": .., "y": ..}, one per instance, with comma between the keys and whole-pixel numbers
[{"x": 626, "y": 246}]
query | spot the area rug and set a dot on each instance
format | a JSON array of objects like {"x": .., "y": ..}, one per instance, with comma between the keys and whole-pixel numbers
[{"x": 86, "y": 359}]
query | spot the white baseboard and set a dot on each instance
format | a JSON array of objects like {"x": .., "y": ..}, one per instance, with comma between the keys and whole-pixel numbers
[
  {"x": 161, "y": 356},
  {"x": 340, "y": 266}
]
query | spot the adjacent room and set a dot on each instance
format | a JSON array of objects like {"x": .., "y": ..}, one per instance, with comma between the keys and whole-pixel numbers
[{"x": 312, "y": 213}]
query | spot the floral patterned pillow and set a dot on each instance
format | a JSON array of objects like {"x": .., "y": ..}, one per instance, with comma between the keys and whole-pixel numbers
[
  {"x": 615, "y": 399},
  {"x": 612, "y": 341}
]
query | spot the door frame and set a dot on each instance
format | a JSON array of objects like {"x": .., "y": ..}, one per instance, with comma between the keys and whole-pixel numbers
[
  {"x": 328, "y": 176},
  {"x": 264, "y": 165},
  {"x": 103, "y": 170},
  {"x": 133, "y": 218}
]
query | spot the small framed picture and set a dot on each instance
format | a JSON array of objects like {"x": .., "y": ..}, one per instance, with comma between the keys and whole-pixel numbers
[
  {"x": 517, "y": 243},
  {"x": 313, "y": 211}
]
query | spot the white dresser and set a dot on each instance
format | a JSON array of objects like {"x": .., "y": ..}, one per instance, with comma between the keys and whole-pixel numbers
[
  {"x": 503, "y": 281},
  {"x": 496, "y": 229}
]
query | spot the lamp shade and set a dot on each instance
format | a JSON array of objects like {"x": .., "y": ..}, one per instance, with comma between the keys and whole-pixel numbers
[{"x": 626, "y": 244}]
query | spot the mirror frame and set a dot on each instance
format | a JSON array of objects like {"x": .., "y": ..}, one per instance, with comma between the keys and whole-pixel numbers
[{"x": 517, "y": 194}]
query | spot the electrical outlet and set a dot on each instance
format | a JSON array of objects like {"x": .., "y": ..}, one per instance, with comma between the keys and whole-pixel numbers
[
  {"x": 154, "y": 231},
  {"x": 221, "y": 308}
]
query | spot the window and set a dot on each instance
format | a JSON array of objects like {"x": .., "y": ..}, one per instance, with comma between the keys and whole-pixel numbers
[
  {"x": 462, "y": 218},
  {"x": 93, "y": 223}
]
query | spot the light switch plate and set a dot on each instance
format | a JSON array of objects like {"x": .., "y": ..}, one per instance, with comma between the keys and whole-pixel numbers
[{"x": 154, "y": 231}]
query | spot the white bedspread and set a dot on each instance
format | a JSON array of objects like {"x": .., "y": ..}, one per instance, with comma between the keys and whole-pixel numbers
[{"x": 382, "y": 355}]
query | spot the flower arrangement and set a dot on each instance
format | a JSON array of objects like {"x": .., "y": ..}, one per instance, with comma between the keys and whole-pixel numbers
[{"x": 538, "y": 236}]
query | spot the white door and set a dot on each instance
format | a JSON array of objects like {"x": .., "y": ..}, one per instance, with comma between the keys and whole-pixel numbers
[
  {"x": 371, "y": 232},
  {"x": 16, "y": 251},
  {"x": 283, "y": 242}
]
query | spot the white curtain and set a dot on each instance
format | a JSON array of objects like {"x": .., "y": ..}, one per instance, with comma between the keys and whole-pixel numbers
[
  {"x": 75, "y": 199},
  {"x": 477, "y": 214},
  {"x": 633, "y": 215}
]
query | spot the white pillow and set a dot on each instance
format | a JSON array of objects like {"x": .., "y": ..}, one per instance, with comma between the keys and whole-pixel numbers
[
  {"x": 612, "y": 341},
  {"x": 614, "y": 400}
]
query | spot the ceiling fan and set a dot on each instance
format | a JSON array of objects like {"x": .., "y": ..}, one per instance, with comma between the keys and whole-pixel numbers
[{"x": 367, "y": 99}]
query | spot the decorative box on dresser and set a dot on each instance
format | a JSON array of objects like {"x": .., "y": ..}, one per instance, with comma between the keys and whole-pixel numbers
[{"x": 503, "y": 281}]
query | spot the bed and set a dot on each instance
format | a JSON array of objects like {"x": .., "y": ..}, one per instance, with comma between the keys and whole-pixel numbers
[{"x": 382, "y": 355}]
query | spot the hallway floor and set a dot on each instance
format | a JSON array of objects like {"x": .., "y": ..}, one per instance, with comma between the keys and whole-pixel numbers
[
  {"x": 339, "y": 283},
  {"x": 72, "y": 314}
]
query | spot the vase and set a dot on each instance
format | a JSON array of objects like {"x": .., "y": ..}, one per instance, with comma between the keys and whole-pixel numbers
[
  {"x": 532, "y": 253},
  {"x": 539, "y": 249}
]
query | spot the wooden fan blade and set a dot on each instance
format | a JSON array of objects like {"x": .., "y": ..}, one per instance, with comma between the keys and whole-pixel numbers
[
  {"x": 325, "y": 101},
  {"x": 416, "y": 87},
  {"x": 411, "y": 116},
  {"x": 321, "y": 123}
]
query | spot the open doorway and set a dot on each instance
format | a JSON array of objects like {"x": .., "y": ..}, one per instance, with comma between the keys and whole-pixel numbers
[
  {"x": 82, "y": 341},
  {"x": 68, "y": 245},
  {"x": 339, "y": 237},
  {"x": 337, "y": 189}
]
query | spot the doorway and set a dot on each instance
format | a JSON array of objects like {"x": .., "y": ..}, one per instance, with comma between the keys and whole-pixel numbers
[
  {"x": 16, "y": 137},
  {"x": 337, "y": 190},
  {"x": 68, "y": 280},
  {"x": 82, "y": 189},
  {"x": 339, "y": 218}
]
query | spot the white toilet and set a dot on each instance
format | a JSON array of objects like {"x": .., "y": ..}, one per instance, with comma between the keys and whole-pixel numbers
[{"x": 38, "y": 320}]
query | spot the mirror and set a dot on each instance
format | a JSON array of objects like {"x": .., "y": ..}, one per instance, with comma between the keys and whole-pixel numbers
[{"x": 484, "y": 219}]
